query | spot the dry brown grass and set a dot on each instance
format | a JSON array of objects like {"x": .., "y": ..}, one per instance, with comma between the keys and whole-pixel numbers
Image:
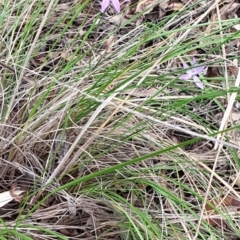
[{"x": 75, "y": 101}]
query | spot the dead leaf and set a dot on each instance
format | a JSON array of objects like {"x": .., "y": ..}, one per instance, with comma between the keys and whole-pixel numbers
[
  {"x": 163, "y": 5},
  {"x": 145, "y": 6},
  {"x": 71, "y": 207},
  {"x": 213, "y": 72},
  {"x": 141, "y": 92},
  {"x": 233, "y": 70},
  {"x": 235, "y": 117},
  {"x": 118, "y": 19},
  {"x": 109, "y": 43},
  {"x": 62, "y": 7},
  {"x": 227, "y": 203},
  {"x": 52, "y": 55},
  {"x": 176, "y": 6},
  {"x": 8, "y": 196},
  {"x": 236, "y": 179},
  {"x": 229, "y": 9},
  {"x": 66, "y": 55}
]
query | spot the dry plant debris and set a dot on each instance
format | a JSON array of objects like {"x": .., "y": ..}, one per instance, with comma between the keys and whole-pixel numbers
[
  {"x": 8, "y": 196},
  {"x": 87, "y": 86}
]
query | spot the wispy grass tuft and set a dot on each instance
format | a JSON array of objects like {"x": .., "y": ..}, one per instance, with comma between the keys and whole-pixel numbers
[{"x": 101, "y": 133}]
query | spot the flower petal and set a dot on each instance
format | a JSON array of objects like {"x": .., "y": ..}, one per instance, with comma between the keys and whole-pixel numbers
[
  {"x": 185, "y": 76},
  {"x": 185, "y": 65},
  {"x": 116, "y": 5},
  {"x": 104, "y": 5},
  {"x": 198, "y": 82},
  {"x": 190, "y": 72},
  {"x": 198, "y": 70},
  {"x": 194, "y": 61}
]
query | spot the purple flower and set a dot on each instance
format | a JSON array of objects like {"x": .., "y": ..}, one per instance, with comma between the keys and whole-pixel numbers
[
  {"x": 115, "y": 3},
  {"x": 192, "y": 73}
]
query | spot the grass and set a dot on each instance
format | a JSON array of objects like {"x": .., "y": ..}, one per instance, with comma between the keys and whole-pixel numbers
[{"x": 103, "y": 136}]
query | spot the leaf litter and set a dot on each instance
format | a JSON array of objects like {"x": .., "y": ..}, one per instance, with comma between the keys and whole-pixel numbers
[{"x": 32, "y": 151}]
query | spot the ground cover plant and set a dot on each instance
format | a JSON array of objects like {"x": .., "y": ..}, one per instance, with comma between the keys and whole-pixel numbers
[{"x": 119, "y": 119}]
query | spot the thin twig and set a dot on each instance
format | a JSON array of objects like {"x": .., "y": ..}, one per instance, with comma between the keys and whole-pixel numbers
[{"x": 11, "y": 69}]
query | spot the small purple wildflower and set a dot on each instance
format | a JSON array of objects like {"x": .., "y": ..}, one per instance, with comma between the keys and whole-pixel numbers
[
  {"x": 115, "y": 3},
  {"x": 192, "y": 73}
]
